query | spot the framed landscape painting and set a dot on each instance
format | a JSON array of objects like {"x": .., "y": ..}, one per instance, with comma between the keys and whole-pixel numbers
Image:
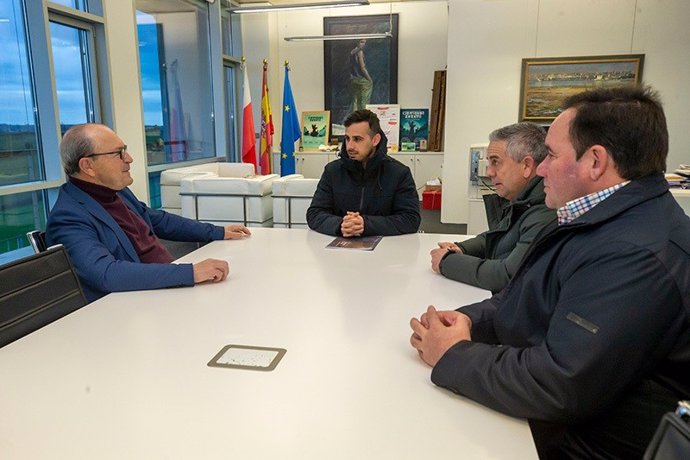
[
  {"x": 358, "y": 72},
  {"x": 547, "y": 82}
]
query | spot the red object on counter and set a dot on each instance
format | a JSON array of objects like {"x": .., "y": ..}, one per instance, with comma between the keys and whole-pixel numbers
[{"x": 431, "y": 200}]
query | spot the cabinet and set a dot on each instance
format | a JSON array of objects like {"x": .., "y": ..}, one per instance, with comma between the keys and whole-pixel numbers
[
  {"x": 425, "y": 166},
  {"x": 311, "y": 164}
]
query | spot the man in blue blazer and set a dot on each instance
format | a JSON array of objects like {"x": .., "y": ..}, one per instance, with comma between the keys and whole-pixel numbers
[{"x": 111, "y": 237}]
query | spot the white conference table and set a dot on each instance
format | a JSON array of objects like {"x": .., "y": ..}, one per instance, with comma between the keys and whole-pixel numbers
[{"x": 126, "y": 377}]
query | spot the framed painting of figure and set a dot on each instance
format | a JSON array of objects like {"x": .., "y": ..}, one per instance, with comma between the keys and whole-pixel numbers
[{"x": 359, "y": 71}]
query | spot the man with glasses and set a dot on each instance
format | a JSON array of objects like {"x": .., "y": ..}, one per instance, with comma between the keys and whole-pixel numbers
[{"x": 113, "y": 238}]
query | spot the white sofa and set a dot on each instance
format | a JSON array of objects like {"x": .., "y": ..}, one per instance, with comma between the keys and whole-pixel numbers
[
  {"x": 171, "y": 179},
  {"x": 222, "y": 200},
  {"x": 291, "y": 198}
]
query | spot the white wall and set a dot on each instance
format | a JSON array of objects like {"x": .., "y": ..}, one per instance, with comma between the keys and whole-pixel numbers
[
  {"x": 483, "y": 47},
  {"x": 128, "y": 118},
  {"x": 488, "y": 39},
  {"x": 422, "y": 45}
]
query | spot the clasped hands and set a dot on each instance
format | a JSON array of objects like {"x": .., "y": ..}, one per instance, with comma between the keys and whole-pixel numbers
[
  {"x": 438, "y": 254},
  {"x": 435, "y": 332},
  {"x": 352, "y": 224}
]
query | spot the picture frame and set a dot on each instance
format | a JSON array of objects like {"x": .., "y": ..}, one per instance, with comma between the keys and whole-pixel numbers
[
  {"x": 546, "y": 82},
  {"x": 389, "y": 119},
  {"x": 345, "y": 88},
  {"x": 315, "y": 127}
]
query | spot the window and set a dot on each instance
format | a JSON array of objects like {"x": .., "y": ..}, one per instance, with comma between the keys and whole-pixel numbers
[
  {"x": 20, "y": 213},
  {"x": 228, "y": 25},
  {"x": 20, "y": 154},
  {"x": 174, "y": 53},
  {"x": 72, "y": 47},
  {"x": 230, "y": 46},
  {"x": 30, "y": 169}
]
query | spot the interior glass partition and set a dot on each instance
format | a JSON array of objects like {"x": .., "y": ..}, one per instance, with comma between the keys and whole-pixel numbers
[{"x": 176, "y": 80}]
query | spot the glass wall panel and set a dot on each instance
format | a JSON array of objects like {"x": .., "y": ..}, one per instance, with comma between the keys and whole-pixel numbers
[
  {"x": 226, "y": 30},
  {"x": 155, "y": 189},
  {"x": 176, "y": 80},
  {"x": 29, "y": 157},
  {"x": 20, "y": 158},
  {"x": 20, "y": 213},
  {"x": 70, "y": 46},
  {"x": 230, "y": 42}
]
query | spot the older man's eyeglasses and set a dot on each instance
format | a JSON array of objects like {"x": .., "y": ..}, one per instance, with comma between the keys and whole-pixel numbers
[{"x": 119, "y": 152}]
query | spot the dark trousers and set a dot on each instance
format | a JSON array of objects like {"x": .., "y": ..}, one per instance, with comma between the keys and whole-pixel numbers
[{"x": 621, "y": 432}]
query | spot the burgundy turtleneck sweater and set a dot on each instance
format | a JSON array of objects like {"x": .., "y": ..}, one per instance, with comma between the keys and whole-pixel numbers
[{"x": 145, "y": 242}]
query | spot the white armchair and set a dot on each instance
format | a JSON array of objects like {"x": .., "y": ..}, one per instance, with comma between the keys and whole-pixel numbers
[
  {"x": 291, "y": 198},
  {"x": 171, "y": 179},
  {"x": 223, "y": 200}
]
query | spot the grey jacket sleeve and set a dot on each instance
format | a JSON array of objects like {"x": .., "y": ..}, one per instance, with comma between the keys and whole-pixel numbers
[
  {"x": 494, "y": 274},
  {"x": 474, "y": 246}
]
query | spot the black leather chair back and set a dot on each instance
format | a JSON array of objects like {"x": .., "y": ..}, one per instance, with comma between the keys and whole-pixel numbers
[{"x": 35, "y": 291}]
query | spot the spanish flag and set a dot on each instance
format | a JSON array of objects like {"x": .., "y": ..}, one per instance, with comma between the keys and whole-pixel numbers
[{"x": 266, "y": 126}]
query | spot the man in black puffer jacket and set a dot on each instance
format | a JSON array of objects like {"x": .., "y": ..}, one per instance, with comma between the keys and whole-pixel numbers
[{"x": 366, "y": 192}]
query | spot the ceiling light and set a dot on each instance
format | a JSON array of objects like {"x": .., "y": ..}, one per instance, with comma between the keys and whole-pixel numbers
[
  {"x": 339, "y": 37},
  {"x": 264, "y": 8}
]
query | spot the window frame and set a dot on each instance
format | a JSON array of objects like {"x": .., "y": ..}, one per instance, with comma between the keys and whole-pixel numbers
[
  {"x": 91, "y": 82},
  {"x": 37, "y": 16},
  {"x": 219, "y": 115}
]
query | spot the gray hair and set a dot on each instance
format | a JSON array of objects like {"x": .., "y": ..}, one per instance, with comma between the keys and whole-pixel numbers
[
  {"x": 522, "y": 139},
  {"x": 75, "y": 144}
]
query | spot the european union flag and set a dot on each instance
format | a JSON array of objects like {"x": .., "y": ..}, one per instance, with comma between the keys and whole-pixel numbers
[{"x": 291, "y": 130}]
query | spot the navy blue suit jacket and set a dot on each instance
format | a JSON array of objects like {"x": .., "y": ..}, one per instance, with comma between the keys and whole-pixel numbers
[{"x": 103, "y": 256}]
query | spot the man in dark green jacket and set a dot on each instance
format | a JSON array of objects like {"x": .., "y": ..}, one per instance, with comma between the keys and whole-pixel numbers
[
  {"x": 490, "y": 259},
  {"x": 365, "y": 192}
]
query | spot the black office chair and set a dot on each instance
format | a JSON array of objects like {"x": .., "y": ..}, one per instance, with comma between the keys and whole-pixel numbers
[
  {"x": 37, "y": 239},
  {"x": 36, "y": 291}
]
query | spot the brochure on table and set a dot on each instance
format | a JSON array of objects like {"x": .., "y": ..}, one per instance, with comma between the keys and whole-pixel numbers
[{"x": 364, "y": 243}]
